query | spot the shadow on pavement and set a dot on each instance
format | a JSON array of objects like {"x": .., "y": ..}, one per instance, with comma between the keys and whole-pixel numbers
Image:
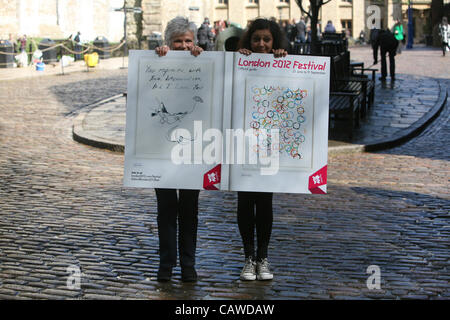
[
  {"x": 431, "y": 143},
  {"x": 78, "y": 94},
  {"x": 432, "y": 207}
]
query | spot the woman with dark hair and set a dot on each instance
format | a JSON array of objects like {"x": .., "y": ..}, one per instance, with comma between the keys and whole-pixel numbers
[
  {"x": 180, "y": 34},
  {"x": 278, "y": 39},
  {"x": 262, "y": 36}
]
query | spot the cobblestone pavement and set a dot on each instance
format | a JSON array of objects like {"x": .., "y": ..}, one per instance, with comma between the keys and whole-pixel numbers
[{"x": 62, "y": 204}]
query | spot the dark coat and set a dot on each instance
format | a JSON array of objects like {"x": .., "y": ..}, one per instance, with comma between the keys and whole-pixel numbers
[
  {"x": 301, "y": 28},
  {"x": 204, "y": 34},
  {"x": 383, "y": 39}
]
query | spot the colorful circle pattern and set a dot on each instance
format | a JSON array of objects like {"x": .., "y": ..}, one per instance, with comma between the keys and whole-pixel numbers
[{"x": 280, "y": 108}]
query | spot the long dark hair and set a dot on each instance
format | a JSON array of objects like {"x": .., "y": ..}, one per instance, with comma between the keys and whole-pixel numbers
[{"x": 279, "y": 41}]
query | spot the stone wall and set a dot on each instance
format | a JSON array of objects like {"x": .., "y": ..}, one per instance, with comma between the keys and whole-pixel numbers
[{"x": 58, "y": 19}]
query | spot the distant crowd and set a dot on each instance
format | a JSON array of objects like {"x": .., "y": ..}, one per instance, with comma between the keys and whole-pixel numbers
[{"x": 295, "y": 31}]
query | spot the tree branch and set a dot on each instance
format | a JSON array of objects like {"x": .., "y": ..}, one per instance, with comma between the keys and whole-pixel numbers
[{"x": 300, "y": 4}]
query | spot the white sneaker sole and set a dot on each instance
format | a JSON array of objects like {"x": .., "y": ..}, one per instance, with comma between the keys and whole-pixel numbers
[
  {"x": 248, "y": 277},
  {"x": 264, "y": 276}
]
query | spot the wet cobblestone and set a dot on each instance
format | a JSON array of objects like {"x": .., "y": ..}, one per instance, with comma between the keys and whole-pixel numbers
[{"x": 62, "y": 203}]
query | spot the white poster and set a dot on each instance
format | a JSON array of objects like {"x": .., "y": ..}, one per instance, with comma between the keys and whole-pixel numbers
[
  {"x": 166, "y": 97},
  {"x": 291, "y": 96},
  {"x": 227, "y": 121},
  {"x": 172, "y": 94}
]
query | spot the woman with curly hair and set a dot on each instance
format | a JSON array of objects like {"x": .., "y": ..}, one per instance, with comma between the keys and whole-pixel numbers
[{"x": 262, "y": 36}]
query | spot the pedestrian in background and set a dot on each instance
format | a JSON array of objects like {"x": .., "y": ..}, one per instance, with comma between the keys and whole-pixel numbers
[
  {"x": 23, "y": 43},
  {"x": 289, "y": 30},
  {"x": 362, "y": 37},
  {"x": 444, "y": 31},
  {"x": 329, "y": 27},
  {"x": 399, "y": 35},
  {"x": 300, "y": 27},
  {"x": 13, "y": 41},
  {"x": 308, "y": 34},
  {"x": 385, "y": 40},
  {"x": 205, "y": 36},
  {"x": 178, "y": 210},
  {"x": 77, "y": 40},
  {"x": 262, "y": 36}
]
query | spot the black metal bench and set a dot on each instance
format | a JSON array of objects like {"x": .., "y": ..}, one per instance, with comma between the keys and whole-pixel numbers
[
  {"x": 358, "y": 70},
  {"x": 344, "y": 113},
  {"x": 347, "y": 98}
]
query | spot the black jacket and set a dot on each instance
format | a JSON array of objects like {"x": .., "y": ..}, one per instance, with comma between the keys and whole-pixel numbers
[
  {"x": 204, "y": 34},
  {"x": 301, "y": 28},
  {"x": 383, "y": 39}
]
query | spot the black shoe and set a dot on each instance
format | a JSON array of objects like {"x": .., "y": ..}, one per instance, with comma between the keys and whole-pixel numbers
[
  {"x": 188, "y": 274},
  {"x": 164, "y": 274},
  {"x": 392, "y": 78},
  {"x": 382, "y": 78}
]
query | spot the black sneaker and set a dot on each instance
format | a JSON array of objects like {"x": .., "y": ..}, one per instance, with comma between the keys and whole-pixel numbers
[
  {"x": 188, "y": 274},
  {"x": 164, "y": 274}
]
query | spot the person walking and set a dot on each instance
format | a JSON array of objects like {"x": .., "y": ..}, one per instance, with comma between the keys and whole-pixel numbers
[
  {"x": 262, "y": 36},
  {"x": 399, "y": 35},
  {"x": 444, "y": 31},
  {"x": 385, "y": 40},
  {"x": 178, "y": 210}
]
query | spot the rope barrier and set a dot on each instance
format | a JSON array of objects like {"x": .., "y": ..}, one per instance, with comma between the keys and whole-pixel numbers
[{"x": 62, "y": 44}]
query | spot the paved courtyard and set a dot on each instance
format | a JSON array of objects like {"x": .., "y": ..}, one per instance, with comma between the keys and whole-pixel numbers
[{"x": 62, "y": 205}]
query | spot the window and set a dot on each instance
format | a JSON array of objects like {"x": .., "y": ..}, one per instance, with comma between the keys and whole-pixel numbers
[
  {"x": 253, "y": 1},
  {"x": 286, "y": 1},
  {"x": 347, "y": 25},
  {"x": 223, "y": 1}
]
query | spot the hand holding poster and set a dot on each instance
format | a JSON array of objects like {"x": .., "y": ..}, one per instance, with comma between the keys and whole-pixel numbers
[{"x": 227, "y": 121}]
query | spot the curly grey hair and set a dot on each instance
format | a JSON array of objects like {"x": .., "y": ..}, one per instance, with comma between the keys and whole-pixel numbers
[{"x": 177, "y": 26}]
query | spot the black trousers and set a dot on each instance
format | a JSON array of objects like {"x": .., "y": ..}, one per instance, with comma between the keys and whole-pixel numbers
[
  {"x": 444, "y": 47},
  {"x": 248, "y": 220},
  {"x": 177, "y": 211},
  {"x": 392, "y": 53}
]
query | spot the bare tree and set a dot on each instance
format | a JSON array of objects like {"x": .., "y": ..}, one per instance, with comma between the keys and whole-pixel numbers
[
  {"x": 313, "y": 15},
  {"x": 437, "y": 9},
  {"x": 436, "y": 13}
]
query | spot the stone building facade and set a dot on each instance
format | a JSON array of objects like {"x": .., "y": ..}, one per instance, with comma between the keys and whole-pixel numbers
[
  {"x": 59, "y": 19},
  {"x": 353, "y": 15}
]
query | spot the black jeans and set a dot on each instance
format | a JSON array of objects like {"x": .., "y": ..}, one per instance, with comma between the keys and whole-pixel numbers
[
  {"x": 173, "y": 210},
  {"x": 444, "y": 47},
  {"x": 392, "y": 54},
  {"x": 248, "y": 219}
]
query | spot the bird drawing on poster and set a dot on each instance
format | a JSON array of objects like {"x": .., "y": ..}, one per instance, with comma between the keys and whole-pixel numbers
[{"x": 170, "y": 118}]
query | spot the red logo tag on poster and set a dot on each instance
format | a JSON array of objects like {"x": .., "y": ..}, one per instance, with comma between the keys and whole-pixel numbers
[
  {"x": 316, "y": 180},
  {"x": 211, "y": 179}
]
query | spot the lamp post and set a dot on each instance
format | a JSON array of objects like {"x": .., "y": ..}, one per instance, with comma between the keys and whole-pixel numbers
[
  {"x": 126, "y": 9},
  {"x": 410, "y": 27}
]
